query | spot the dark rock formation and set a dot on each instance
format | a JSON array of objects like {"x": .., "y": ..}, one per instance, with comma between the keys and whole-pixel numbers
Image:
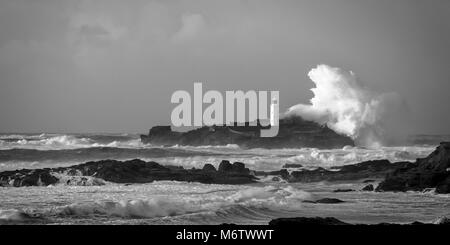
[
  {"x": 430, "y": 172},
  {"x": 343, "y": 190},
  {"x": 209, "y": 167},
  {"x": 306, "y": 221},
  {"x": 329, "y": 201},
  {"x": 368, "y": 169},
  {"x": 368, "y": 181},
  {"x": 368, "y": 188},
  {"x": 237, "y": 167},
  {"x": 292, "y": 165},
  {"x": 442, "y": 221},
  {"x": 133, "y": 171},
  {"x": 294, "y": 132},
  {"x": 283, "y": 173},
  {"x": 27, "y": 177},
  {"x": 302, "y": 221},
  {"x": 325, "y": 201}
]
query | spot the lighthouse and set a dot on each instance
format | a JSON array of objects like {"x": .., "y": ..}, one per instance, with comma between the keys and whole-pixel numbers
[{"x": 274, "y": 112}]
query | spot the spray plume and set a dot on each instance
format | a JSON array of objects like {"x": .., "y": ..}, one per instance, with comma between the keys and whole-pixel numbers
[{"x": 342, "y": 103}]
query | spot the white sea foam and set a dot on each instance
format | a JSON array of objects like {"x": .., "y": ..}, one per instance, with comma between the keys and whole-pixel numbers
[
  {"x": 60, "y": 142},
  {"x": 346, "y": 106},
  {"x": 133, "y": 208},
  {"x": 268, "y": 196},
  {"x": 11, "y": 215}
]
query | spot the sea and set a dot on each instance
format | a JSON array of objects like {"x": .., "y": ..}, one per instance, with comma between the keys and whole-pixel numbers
[{"x": 171, "y": 202}]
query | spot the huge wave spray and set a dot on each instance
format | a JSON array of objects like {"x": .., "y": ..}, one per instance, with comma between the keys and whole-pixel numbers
[{"x": 342, "y": 103}]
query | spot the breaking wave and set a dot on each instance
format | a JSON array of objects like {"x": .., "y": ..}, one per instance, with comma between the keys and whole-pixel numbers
[
  {"x": 345, "y": 105},
  {"x": 268, "y": 197},
  {"x": 60, "y": 142}
]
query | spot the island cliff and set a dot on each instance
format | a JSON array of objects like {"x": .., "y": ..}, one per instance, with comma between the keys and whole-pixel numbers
[{"x": 294, "y": 132}]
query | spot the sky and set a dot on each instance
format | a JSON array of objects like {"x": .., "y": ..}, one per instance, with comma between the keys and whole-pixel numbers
[{"x": 112, "y": 66}]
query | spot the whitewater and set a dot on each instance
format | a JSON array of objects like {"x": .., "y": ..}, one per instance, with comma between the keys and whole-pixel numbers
[{"x": 169, "y": 202}]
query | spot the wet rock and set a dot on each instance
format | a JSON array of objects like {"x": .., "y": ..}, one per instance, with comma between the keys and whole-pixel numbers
[
  {"x": 209, "y": 167},
  {"x": 329, "y": 200},
  {"x": 368, "y": 188},
  {"x": 363, "y": 170},
  {"x": 299, "y": 221},
  {"x": 306, "y": 221},
  {"x": 429, "y": 172},
  {"x": 343, "y": 190},
  {"x": 442, "y": 221},
  {"x": 133, "y": 171},
  {"x": 283, "y": 173},
  {"x": 325, "y": 201},
  {"x": 292, "y": 165},
  {"x": 368, "y": 181},
  {"x": 225, "y": 166},
  {"x": 443, "y": 187}
]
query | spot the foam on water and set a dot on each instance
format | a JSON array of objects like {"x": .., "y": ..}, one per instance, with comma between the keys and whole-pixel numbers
[
  {"x": 13, "y": 215},
  {"x": 64, "y": 141},
  {"x": 268, "y": 197},
  {"x": 169, "y": 202}
]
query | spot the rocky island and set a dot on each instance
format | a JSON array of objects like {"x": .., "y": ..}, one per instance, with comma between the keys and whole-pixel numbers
[{"x": 294, "y": 132}]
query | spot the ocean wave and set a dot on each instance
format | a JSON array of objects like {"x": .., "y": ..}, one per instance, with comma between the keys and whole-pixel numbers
[
  {"x": 268, "y": 197},
  {"x": 131, "y": 209},
  {"x": 60, "y": 142},
  {"x": 14, "y": 215},
  {"x": 92, "y": 153}
]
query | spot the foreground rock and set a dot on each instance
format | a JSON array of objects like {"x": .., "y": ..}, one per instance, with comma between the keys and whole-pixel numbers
[
  {"x": 325, "y": 201},
  {"x": 344, "y": 190},
  {"x": 300, "y": 221},
  {"x": 368, "y": 188},
  {"x": 368, "y": 169},
  {"x": 294, "y": 132},
  {"x": 306, "y": 221},
  {"x": 133, "y": 171},
  {"x": 430, "y": 172}
]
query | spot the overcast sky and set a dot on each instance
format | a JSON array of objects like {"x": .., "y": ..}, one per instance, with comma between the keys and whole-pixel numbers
[{"x": 112, "y": 66}]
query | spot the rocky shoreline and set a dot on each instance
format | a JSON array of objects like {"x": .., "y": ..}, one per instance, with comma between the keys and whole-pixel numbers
[
  {"x": 133, "y": 171},
  {"x": 320, "y": 221},
  {"x": 432, "y": 171}
]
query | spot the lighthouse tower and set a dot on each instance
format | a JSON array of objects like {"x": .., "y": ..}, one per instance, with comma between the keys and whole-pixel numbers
[{"x": 274, "y": 112}]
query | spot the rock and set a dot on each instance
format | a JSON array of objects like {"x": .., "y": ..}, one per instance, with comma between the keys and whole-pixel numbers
[
  {"x": 325, "y": 201},
  {"x": 283, "y": 173},
  {"x": 209, "y": 167},
  {"x": 442, "y": 221},
  {"x": 306, "y": 221},
  {"x": 296, "y": 221},
  {"x": 368, "y": 169},
  {"x": 443, "y": 187},
  {"x": 329, "y": 201},
  {"x": 133, "y": 171},
  {"x": 429, "y": 172},
  {"x": 237, "y": 167},
  {"x": 294, "y": 132},
  {"x": 225, "y": 166},
  {"x": 368, "y": 188},
  {"x": 292, "y": 165},
  {"x": 343, "y": 190},
  {"x": 27, "y": 177},
  {"x": 368, "y": 181},
  {"x": 276, "y": 179}
]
